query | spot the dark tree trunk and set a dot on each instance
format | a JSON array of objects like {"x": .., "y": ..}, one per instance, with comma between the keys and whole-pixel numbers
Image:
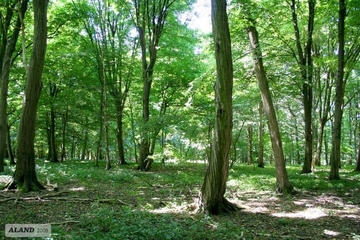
[
  {"x": 64, "y": 124},
  {"x": 212, "y": 198},
  {"x": 249, "y": 145},
  {"x": 260, "y": 137},
  {"x": 339, "y": 97},
  {"x": 306, "y": 68},
  {"x": 25, "y": 176},
  {"x": 6, "y": 51},
  {"x": 9, "y": 147},
  {"x": 150, "y": 21},
  {"x": 282, "y": 180}
]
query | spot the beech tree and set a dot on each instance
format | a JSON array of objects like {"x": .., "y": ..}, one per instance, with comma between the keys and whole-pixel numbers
[
  {"x": 212, "y": 198},
  {"x": 25, "y": 175}
]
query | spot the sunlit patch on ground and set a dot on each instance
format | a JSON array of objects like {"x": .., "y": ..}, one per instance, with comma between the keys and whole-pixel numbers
[
  {"x": 309, "y": 213},
  {"x": 331, "y": 233}
]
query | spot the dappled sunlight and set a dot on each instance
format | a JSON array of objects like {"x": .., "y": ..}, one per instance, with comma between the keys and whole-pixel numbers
[
  {"x": 76, "y": 189},
  {"x": 331, "y": 233},
  {"x": 309, "y": 213}
]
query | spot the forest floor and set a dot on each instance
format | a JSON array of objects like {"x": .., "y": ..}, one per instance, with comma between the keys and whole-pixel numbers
[{"x": 123, "y": 203}]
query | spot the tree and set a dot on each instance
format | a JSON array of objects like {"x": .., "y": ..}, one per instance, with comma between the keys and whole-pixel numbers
[
  {"x": 150, "y": 21},
  {"x": 212, "y": 198},
  {"x": 339, "y": 96},
  {"x": 25, "y": 175},
  {"x": 8, "y": 45},
  {"x": 305, "y": 62},
  {"x": 282, "y": 180}
]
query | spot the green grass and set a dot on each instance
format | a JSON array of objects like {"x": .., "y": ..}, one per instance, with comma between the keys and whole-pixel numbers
[{"x": 158, "y": 200}]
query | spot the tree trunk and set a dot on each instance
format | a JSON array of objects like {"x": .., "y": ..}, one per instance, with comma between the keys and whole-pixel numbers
[
  {"x": 282, "y": 180},
  {"x": 6, "y": 51},
  {"x": 9, "y": 148},
  {"x": 357, "y": 165},
  {"x": 339, "y": 96},
  {"x": 64, "y": 124},
  {"x": 260, "y": 137},
  {"x": 51, "y": 131},
  {"x": 212, "y": 198},
  {"x": 306, "y": 68},
  {"x": 25, "y": 176},
  {"x": 249, "y": 145},
  {"x": 150, "y": 21}
]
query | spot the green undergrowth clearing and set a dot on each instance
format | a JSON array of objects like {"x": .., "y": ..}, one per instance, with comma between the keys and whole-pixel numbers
[{"x": 124, "y": 203}]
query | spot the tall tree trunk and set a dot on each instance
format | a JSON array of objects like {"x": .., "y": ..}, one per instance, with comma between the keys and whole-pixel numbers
[
  {"x": 249, "y": 145},
  {"x": 212, "y": 198},
  {"x": 9, "y": 148},
  {"x": 64, "y": 124},
  {"x": 339, "y": 96},
  {"x": 150, "y": 21},
  {"x": 306, "y": 68},
  {"x": 282, "y": 180},
  {"x": 119, "y": 134},
  {"x": 51, "y": 132},
  {"x": 25, "y": 176},
  {"x": 260, "y": 137},
  {"x": 6, "y": 52}
]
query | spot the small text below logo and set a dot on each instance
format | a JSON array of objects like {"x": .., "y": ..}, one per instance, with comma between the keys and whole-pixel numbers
[{"x": 27, "y": 230}]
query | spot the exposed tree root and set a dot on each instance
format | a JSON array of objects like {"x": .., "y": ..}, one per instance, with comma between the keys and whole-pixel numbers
[{"x": 219, "y": 208}]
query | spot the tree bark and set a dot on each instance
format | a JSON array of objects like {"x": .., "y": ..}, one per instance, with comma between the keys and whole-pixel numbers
[
  {"x": 249, "y": 145},
  {"x": 339, "y": 96},
  {"x": 282, "y": 180},
  {"x": 260, "y": 137},
  {"x": 150, "y": 21},
  {"x": 306, "y": 69},
  {"x": 212, "y": 198},
  {"x": 25, "y": 176},
  {"x": 6, "y": 52}
]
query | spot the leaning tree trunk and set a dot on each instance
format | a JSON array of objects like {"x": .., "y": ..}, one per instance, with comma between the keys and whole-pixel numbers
[
  {"x": 339, "y": 96},
  {"x": 282, "y": 180},
  {"x": 25, "y": 176},
  {"x": 212, "y": 198}
]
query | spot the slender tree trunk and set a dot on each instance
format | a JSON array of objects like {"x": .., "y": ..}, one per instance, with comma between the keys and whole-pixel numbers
[
  {"x": 25, "y": 176},
  {"x": 306, "y": 68},
  {"x": 357, "y": 165},
  {"x": 64, "y": 124},
  {"x": 282, "y": 180},
  {"x": 150, "y": 21},
  {"x": 339, "y": 97},
  {"x": 6, "y": 52},
  {"x": 119, "y": 134},
  {"x": 249, "y": 145},
  {"x": 52, "y": 144},
  {"x": 260, "y": 137},
  {"x": 212, "y": 198},
  {"x": 9, "y": 148}
]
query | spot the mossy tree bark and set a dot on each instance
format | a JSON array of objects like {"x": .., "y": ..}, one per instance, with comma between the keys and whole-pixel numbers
[
  {"x": 282, "y": 180},
  {"x": 25, "y": 176},
  {"x": 212, "y": 198}
]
